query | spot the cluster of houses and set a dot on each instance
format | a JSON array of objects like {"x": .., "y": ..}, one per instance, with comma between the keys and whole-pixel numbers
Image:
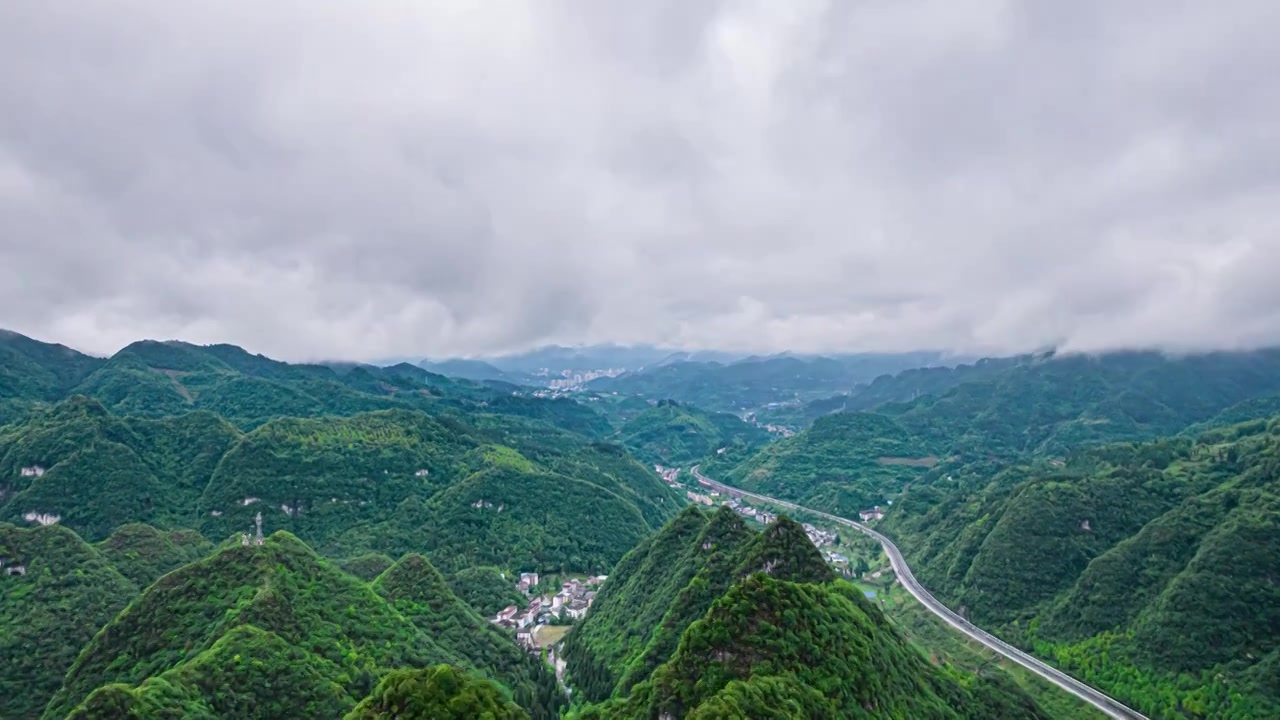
[
  {"x": 820, "y": 537},
  {"x": 782, "y": 430},
  {"x": 669, "y": 476},
  {"x": 572, "y": 601},
  {"x": 763, "y": 517},
  {"x": 816, "y": 536}
]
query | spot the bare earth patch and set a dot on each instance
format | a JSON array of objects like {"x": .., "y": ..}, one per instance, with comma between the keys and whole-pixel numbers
[
  {"x": 928, "y": 461},
  {"x": 175, "y": 376},
  {"x": 548, "y": 635}
]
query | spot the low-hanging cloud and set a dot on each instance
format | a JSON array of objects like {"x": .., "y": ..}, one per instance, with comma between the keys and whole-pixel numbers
[{"x": 366, "y": 180}]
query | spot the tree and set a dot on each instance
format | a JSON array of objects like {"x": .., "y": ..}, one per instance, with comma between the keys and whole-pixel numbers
[{"x": 441, "y": 692}]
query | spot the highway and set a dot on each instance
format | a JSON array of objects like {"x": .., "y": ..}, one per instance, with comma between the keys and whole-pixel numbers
[{"x": 1097, "y": 698}]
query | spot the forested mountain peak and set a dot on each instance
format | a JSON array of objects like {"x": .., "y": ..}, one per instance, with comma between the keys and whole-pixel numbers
[
  {"x": 281, "y": 587},
  {"x": 55, "y": 592},
  {"x": 783, "y": 550},
  {"x": 679, "y": 435},
  {"x": 173, "y": 355},
  {"x": 143, "y": 553},
  {"x": 414, "y": 578},
  {"x": 30, "y": 369},
  {"x": 420, "y": 593},
  {"x": 440, "y": 692},
  {"x": 708, "y": 619},
  {"x": 156, "y": 379},
  {"x": 835, "y": 655}
]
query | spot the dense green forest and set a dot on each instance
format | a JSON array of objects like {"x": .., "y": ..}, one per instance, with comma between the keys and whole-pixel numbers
[
  {"x": 420, "y": 593},
  {"x": 1118, "y": 515},
  {"x": 846, "y": 462},
  {"x": 1148, "y": 568},
  {"x": 708, "y": 619},
  {"x": 677, "y": 435},
  {"x": 203, "y": 638},
  {"x": 389, "y": 481},
  {"x": 138, "y": 599},
  {"x": 1006, "y": 411},
  {"x": 441, "y": 692},
  {"x": 68, "y": 591},
  {"x": 159, "y": 379},
  {"x": 487, "y": 589},
  {"x": 1103, "y": 511}
]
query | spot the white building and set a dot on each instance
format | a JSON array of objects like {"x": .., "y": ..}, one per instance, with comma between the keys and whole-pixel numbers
[
  {"x": 524, "y": 638},
  {"x": 577, "y": 609}
]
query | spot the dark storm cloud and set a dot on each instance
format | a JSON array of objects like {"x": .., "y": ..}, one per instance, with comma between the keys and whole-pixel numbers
[{"x": 405, "y": 178}]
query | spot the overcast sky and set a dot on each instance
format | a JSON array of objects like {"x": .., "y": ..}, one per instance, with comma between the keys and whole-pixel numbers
[{"x": 368, "y": 180}]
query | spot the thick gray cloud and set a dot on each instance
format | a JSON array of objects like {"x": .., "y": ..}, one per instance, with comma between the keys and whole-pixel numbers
[{"x": 363, "y": 180}]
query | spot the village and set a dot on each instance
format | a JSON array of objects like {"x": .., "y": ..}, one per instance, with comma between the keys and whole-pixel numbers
[
  {"x": 818, "y": 537},
  {"x": 566, "y": 606},
  {"x": 547, "y": 617}
]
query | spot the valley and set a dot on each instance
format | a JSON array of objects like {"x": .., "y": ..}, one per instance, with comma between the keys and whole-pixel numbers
[
  {"x": 607, "y": 360},
  {"x": 903, "y": 575},
  {"x": 583, "y": 557}
]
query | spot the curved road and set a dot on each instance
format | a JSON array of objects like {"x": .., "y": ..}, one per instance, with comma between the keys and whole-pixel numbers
[{"x": 1098, "y": 699}]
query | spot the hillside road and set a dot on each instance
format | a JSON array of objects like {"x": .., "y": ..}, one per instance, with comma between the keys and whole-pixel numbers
[{"x": 1113, "y": 708}]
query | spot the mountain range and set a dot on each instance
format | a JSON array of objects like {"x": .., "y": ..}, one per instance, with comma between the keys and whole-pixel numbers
[{"x": 1114, "y": 514}]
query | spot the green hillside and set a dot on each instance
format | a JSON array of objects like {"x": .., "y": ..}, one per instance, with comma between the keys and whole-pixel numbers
[
  {"x": 708, "y": 619},
  {"x": 531, "y": 520},
  {"x": 1005, "y": 411},
  {"x": 441, "y": 692},
  {"x": 486, "y": 589},
  {"x": 98, "y": 470},
  {"x": 832, "y": 652},
  {"x": 246, "y": 673},
  {"x": 678, "y": 435},
  {"x": 1118, "y": 515},
  {"x": 419, "y": 592},
  {"x": 143, "y": 553},
  {"x": 346, "y": 634},
  {"x": 159, "y": 379},
  {"x": 846, "y": 462},
  {"x": 367, "y": 566},
  {"x": 1125, "y": 562},
  {"x": 1053, "y": 404},
  {"x": 66, "y": 592},
  {"x": 316, "y": 477},
  {"x": 350, "y": 485},
  {"x": 35, "y": 371},
  {"x": 1146, "y": 568},
  {"x": 651, "y": 597}
]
